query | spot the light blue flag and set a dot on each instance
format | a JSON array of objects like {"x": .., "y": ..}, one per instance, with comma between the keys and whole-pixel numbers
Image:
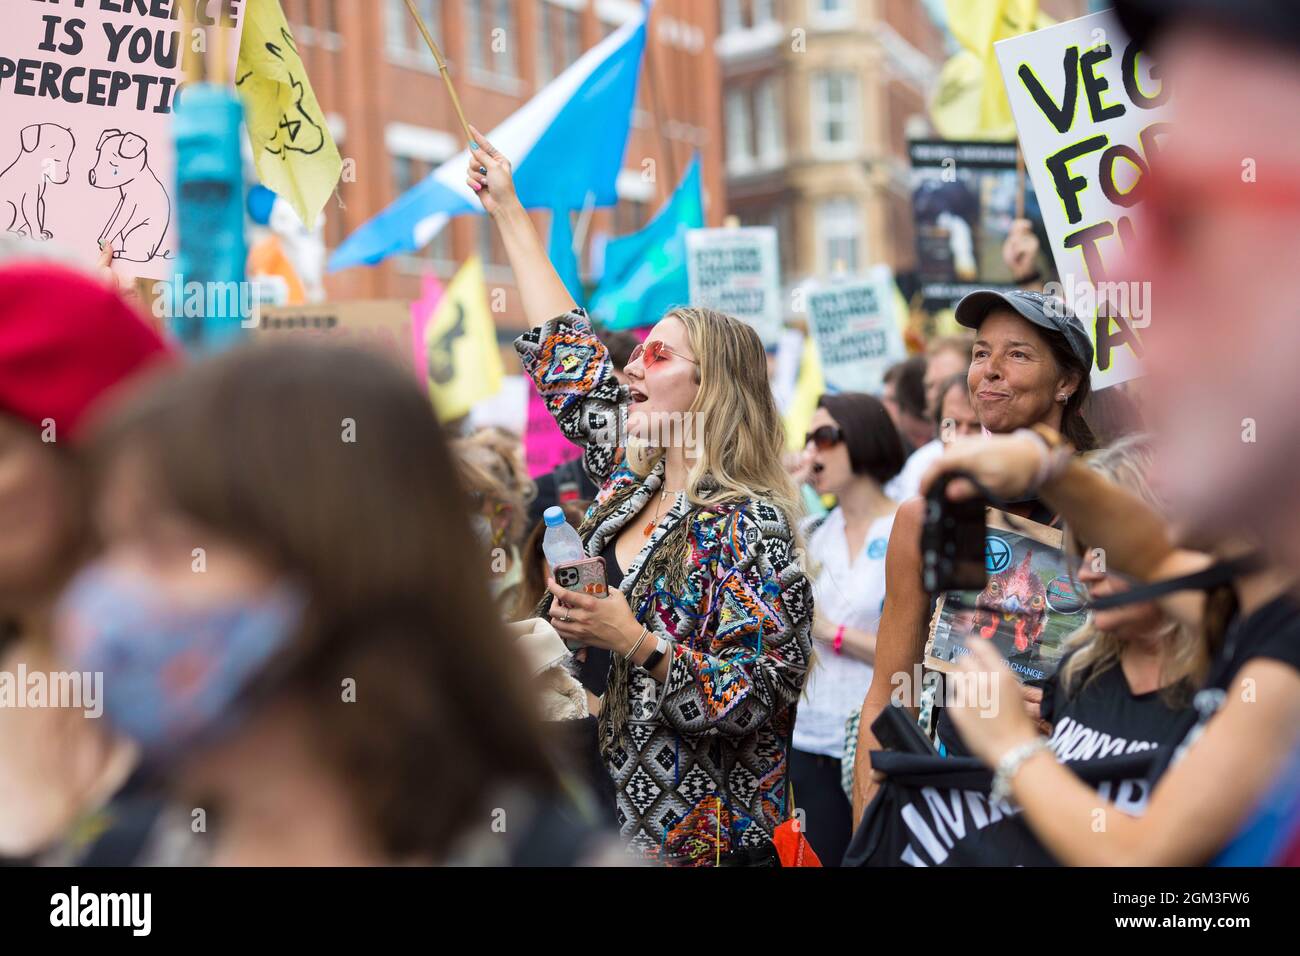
[
  {"x": 645, "y": 273},
  {"x": 562, "y": 255},
  {"x": 564, "y": 143}
]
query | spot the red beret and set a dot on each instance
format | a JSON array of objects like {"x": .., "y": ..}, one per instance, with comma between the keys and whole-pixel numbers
[{"x": 66, "y": 339}]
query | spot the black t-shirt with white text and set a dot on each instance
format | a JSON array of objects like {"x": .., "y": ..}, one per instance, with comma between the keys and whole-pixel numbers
[{"x": 1101, "y": 718}]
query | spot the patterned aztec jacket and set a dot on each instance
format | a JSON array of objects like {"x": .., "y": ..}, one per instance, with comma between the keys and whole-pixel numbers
[{"x": 701, "y": 767}]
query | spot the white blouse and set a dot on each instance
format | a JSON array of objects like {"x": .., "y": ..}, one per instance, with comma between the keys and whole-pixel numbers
[{"x": 848, "y": 590}]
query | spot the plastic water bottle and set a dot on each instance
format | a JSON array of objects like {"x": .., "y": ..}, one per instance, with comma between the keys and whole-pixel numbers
[{"x": 560, "y": 543}]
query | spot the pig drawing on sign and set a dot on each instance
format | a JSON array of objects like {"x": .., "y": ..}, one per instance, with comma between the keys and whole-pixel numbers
[
  {"x": 43, "y": 158},
  {"x": 139, "y": 223}
]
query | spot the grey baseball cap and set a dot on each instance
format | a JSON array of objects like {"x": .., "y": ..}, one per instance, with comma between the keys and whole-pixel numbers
[{"x": 1045, "y": 311}]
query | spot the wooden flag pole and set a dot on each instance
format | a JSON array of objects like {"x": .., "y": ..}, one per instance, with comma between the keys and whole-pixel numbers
[{"x": 442, "y": 67}]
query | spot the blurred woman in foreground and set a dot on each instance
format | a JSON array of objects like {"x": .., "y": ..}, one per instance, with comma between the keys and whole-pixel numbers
[{"x": 284, "y": 621}]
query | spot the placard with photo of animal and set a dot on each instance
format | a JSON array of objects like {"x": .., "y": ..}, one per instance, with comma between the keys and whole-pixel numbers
[
  {"x": 1029, "y": 606},
  {"x": 87, "y": 94}
]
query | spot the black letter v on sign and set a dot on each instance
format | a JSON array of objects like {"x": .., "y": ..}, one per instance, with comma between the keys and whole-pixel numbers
[{"x": 1061, "y": 117}]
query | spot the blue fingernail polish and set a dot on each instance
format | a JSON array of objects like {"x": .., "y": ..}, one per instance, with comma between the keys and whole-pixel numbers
[
  {"x": 483, "y": 170},
  {"x": 473, "y": 145}
]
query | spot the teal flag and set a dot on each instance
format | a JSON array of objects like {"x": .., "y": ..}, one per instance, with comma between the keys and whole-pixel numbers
[
  {"x": 645, "y": 273},
  {"x": 562, "y": 255}
]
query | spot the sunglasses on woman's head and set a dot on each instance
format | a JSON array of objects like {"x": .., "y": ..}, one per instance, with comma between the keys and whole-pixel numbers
[
  {"x": 828, "y": 436},
  {"x": 654, "y": 351}
]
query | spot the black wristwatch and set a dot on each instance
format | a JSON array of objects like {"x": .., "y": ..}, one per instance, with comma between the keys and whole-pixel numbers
[{"x": 661, "y": 648}]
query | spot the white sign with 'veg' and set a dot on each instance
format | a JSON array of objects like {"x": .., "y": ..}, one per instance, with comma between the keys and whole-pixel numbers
[{"x": 1090, "y": 112}]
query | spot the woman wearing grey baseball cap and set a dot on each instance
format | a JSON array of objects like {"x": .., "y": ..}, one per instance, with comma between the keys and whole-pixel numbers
[
  {"x": 1030, "y": 368},
  {"x": 1030, "y": 365}
]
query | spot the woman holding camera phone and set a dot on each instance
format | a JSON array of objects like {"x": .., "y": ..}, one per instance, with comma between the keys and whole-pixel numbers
[
  {"x": 1233, "y": 747},
  {"x": 1029, "y": 368},
  {"x": 709, "y": 627}
]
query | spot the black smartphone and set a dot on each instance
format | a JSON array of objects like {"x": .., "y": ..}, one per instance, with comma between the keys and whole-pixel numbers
[
  {"x": 896, "y": 730},
  {"x": 952, "y": 542}
]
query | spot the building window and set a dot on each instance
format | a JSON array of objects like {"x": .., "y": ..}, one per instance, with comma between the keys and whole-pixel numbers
[
  {"x": 559, "y": 41},
  {"x": 767, "y": 110},
  {"x": 475, "y": 40},
  {"x": 764, "y": 11},
  {"x": 403, "y": 174},
  {"x": 740, "y": 150},
  {"x": 839, "y": 224},
  {"x": 834, "y": 112},
  {"x": 490, "y": 25},
  {"x": 404, "y": 41},
  {"x": 732, "y": 18}
]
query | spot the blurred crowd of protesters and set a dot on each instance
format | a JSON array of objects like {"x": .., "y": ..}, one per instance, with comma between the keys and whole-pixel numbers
[{"x": 327, "y": 631}]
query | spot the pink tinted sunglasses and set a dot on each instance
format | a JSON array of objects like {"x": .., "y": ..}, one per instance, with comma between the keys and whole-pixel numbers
[{"x": 654, "y": 351}]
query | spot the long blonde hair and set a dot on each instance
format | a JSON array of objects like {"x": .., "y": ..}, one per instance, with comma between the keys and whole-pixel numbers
[
  {"x": 1184, "y": 662},
  {"x": 741, "y": 437}
]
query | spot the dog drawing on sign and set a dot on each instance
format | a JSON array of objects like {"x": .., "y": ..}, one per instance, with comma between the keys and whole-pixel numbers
[
  {"x": 43, "y": 158},
  {"x": 139, "y": 223}
]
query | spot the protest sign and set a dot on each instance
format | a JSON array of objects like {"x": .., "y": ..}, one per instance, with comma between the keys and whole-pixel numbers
[
  {"x": 1028, "y": 608},
  {"x": 736, "y": 271},
  {"x": 856, "y": 330},
  {"x": 963, "y": 202},
  {"x": 1090, "y": 111},
  {"x": 87, "y": 92},
  {"x": 381, "y": 324},
  {"x": 545, "y": 447}
]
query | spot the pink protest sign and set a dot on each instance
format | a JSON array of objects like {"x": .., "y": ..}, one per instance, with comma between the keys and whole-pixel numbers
[
  {"x": 87, "y": 90},
  {"x": 545, "y": 446}
]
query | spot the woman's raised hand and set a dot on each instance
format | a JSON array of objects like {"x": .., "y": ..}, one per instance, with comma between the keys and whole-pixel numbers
[{"x": 490, "y": 175}]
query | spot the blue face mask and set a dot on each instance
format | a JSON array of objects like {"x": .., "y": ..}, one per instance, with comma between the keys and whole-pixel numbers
[{"x": 172, "y": 672}]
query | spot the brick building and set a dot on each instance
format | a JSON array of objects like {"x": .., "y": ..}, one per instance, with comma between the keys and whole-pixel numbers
[
  {"x": 820, "y": 98},
  {"x": 391, "y": 115}
]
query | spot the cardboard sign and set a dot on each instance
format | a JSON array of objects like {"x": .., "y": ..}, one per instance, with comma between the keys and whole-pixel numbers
[
  {"x": 737, "y": 271},
  {"x": 963, "y": 202},
  {"x": 1028, "y": 608},
  {"x": 854, "y": 326},
  {"x": 87, "y": 91},
  {"x": 1090, "y": 114},
  {"x": 381, "y": 324}
]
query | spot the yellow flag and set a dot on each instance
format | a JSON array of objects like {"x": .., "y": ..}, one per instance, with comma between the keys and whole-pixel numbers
[
  {"x": 293, "y": 148},
  {"x": 971, "y": 100},
  {"x": 461, "y": 342},
  {"x": 807, "y": 390}
]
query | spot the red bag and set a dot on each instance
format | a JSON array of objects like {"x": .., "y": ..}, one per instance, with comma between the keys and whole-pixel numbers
[{"x": 792, "y": 846}]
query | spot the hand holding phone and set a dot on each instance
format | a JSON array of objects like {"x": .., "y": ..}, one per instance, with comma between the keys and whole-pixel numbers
[{"x": 586, "y": 577}]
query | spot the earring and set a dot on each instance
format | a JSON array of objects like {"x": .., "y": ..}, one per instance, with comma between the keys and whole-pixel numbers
[{"x": 1063, "y": 398}]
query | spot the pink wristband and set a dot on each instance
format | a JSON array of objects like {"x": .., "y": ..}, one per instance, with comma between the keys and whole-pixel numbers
[{"x": 838, "y": 644}]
